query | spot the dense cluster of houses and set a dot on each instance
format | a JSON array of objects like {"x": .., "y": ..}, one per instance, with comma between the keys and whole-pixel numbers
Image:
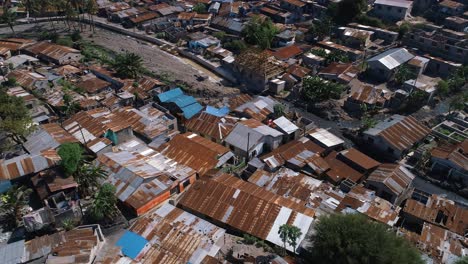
[
  {"x": 192, "y": 172},
  {"x": 430, "y": 51}
]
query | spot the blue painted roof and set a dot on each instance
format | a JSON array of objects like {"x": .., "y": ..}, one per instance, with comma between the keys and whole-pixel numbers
[
  {"x": 191, "y": 110},
  {"x": 131, "y": 244},
  {"x": 183, "y": 100},
  {"x": 223, "y": 111},
  {"x": 169, "y": 95}
]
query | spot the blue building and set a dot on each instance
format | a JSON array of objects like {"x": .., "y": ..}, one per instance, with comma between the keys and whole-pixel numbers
[{"x": 179, "y": 103}]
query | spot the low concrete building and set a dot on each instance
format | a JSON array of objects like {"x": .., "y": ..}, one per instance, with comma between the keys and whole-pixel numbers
[
  {"x": 251, "y": 138},
  {"x": 383, "y": 66},
  {"x": 451, "y": 8},
  {"x": 367, "y": 95},
  {"x": 355, "y": 38},
  {"x": 451, "y": 161},
  {"x": 54, "y": 53},
  {"x": 340, "y": 72},
  {"x": 445, "y": 43},
  {"x": 395, "y": 136},
  {"x": 391, "y": 182},
  {"x": 392, "y": 10}
]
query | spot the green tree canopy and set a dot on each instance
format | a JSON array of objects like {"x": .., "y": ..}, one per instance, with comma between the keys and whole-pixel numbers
[
  {"x": 128, "y": 65},
  {"x": 354, "y": 239},
  {"x": 236, "y": 46},
  {"x": 278, "y": 110},
  {"x": 336, "y": 56},
  {"x": 9, "y": 17},
  {"x": 260, "y": 31},
  {"x": 317, "y": 89},
  {"x": 87, "y": 176},
  {"x": 199, "y": 8},
  {"x": 104, "y": 204},
  {"x": 347, "y": 10},
  {"x": 15, "y": 119},
  {"x": 321, "y": 28},
  {"x": 289, "y": 234},
  {"x": 463, "y": 260},
  {"x": 403, "y": 74},
  {"x": 12, "y": 202},
  {"x": 71, "y": 155},
  {"x": 443, "y": 88},
  {"x": 458, "y": 79}
]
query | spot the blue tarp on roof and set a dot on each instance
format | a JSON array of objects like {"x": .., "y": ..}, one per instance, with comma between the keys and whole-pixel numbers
[
  {"x": 187, "y": 104},
  {"x": 131, "y": 244},
  {"x": 191, "y": 110},
  {"x": 223, "y": 111},
  {"x": 169, "y": 95},
  {"x": 183, "y": 100}
]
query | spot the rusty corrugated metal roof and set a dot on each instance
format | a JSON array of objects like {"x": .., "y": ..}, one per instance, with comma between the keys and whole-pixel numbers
[
  {"x": 51, "y": 50},
  {"x": 192, "y": 150},
  {"x": 245, "y": 207},
  {"x": 27, "y": 164},
  {"x": 395, "y": 176},
  {"x": 452, "y": 216},
  {"x": 210, "y": 125},
  {"x": 177, "y": 236}
]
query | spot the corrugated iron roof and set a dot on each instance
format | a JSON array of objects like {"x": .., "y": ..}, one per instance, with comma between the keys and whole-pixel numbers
[
  {"x": 396, "y": 177},
  {"x": 285, "y": 125},
  {"x": 51, "y": 50},
  {"x": 246, "y": 207},
  {"x": 340, "y": 171},
  {"x": 209, "y": 125},
  {"x": 453, "y": 153},
  {"x": 141, "y": 176},
  {"x": 441, "y": 244},
  {"x": 176, "y": 236},
  {"x": 194, "y": 151},
  {"x": 92, "y": 84},
  {"x": 299, "y": 153},
  {"x": 359, "y": 158},
  {"x": 252, "y": 130},
  {"x": 259, "y": 108},
  {"x": 393, "y": 58},
  {"x": 79, "y": 245},
  {"x": 400, "y": 132},
  {"x": 440, "y": 211},
  {"x": 398, "y": 3},
  {"x": 287, "y": 183},
  {"x": 27, "y": 164},
  {"x": 48, "y": 136}
]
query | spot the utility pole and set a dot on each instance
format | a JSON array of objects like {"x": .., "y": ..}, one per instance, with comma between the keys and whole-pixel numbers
[{"x": 248, "y": 143}]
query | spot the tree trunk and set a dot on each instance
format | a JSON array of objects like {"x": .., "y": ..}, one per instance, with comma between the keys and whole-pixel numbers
[{"x": 12, "y": 30}]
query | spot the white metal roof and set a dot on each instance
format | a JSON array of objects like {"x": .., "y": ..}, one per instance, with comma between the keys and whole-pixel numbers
[
  {"x": 326, "y": 138},
  {"x": 286, "y": 125}
]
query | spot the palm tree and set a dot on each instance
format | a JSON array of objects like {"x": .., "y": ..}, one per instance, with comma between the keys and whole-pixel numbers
[
  {"x": 293, "y": 235},
  {"x": 128, "y": 65},
  {"x": 284, "y": 235},
  {"x": 12, "y": 202},
  {"x": 88, "y": 177},
  {"x": 91, "y": 9},
  {"x": 9, "y": 17},
  {"x": 104, "y": 204}
]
